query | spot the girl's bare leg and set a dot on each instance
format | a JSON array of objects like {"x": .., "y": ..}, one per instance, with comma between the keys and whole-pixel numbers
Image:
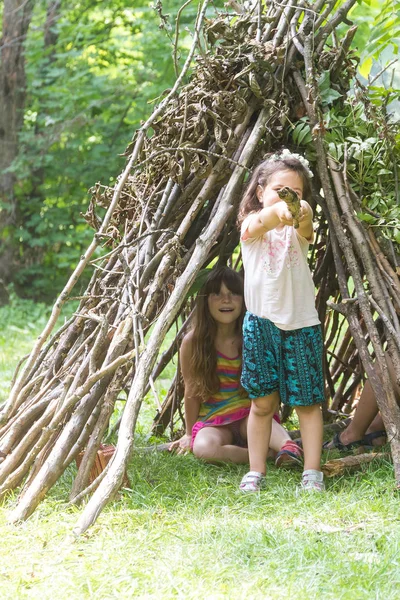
[
  {"x": 364, "y": 415},
  {"x": 279, "y": 436},
  {"x": 377, "y": 423},
  {"x": 214, "y": 444},
  {"x": 366, "y": 418},
  {"x": 259, "y": 430},
  {"x": 311, "y": 428}
]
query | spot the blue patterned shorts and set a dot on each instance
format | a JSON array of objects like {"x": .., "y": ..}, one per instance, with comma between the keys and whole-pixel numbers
[{"x": 289, "y": 362}]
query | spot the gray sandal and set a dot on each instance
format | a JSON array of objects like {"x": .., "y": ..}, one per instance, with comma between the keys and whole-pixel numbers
[{"x": 253, "y": 481}]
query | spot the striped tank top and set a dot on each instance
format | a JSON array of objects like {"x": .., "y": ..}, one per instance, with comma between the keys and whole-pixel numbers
[{"x": 231, "y": 402}]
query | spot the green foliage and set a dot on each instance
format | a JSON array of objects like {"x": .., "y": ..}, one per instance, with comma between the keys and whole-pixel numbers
[
  {"x": 386, "y": 29},
  {"x": 302, "y": 133},
  {"x": 360, "y": 134},
  {"x": 362, "y": 129},
  {"x": 87, "y": 92},
  {"x": 372, "y": 155},
  {"x": 327, "y": 94}
]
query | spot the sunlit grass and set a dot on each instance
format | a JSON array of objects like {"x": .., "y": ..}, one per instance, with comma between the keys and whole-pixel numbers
[
  {"x": 184, "y": 530},
  {"x": 20, "y": 322}
]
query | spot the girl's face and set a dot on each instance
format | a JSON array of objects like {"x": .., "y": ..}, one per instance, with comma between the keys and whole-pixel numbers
[
  {"x": 225, "y": 306},
  {"x": 268, "y": 196}
]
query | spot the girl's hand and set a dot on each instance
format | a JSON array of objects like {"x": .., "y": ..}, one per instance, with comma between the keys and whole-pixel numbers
[
  {"x": 283, "y": 213},
  {"x": 305, "y": 211},
  {"x": 305, "y": 228},
  {"x": 181, "y": 446}
]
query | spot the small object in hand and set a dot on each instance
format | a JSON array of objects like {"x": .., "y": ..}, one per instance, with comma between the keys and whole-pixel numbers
[{"x": 293, "y": 203}]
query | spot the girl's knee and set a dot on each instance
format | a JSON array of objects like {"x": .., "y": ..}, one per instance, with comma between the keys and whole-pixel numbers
[
  {"x": 263, "y": 407},
  {"x": 205, "y": 449}
]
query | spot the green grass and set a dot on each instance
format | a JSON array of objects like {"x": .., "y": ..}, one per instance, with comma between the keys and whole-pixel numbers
[
  {"x": 20, "y": 322},
  {"x": 184, "y": 530}
]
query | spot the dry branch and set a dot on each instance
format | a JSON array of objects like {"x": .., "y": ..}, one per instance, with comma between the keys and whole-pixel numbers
[{"x": 338, "y": 466}]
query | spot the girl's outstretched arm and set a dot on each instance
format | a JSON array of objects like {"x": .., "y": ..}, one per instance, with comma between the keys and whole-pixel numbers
[
  {"x": 191, "y": 400},
  {"x": 266, "y": 219}
]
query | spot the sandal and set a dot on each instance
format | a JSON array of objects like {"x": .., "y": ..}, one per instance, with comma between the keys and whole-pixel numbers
[
  {"x": 253, "y": 481},
  {"x": 290, "y": 455},
  {"x": 370, "y": 437},
  {"x": 338, "y": 445},
  {"x": 312, "y": 481}
]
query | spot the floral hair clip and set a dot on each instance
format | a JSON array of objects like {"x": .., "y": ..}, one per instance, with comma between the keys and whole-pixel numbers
[{"x": 285, "y": 153}]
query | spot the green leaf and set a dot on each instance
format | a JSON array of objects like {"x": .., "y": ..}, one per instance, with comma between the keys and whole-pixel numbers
[
  {"x": 330, "y": 96},
  {"x": 324, "y": 82},
  {"x": 198, "y": 282},
  {"x": 302, "y": 133},
  {"x": 366, "y": 217}
]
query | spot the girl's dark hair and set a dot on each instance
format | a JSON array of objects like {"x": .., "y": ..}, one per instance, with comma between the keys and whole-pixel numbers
[
  {"x": 204, "y": 329},
  {"x": 261, "y": 176}
]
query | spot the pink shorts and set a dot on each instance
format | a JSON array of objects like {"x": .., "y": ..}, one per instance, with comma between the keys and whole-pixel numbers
[{"x": 237, "y": 438}]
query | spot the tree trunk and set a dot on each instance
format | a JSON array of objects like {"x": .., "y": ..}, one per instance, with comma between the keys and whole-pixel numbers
[{"x": 16, "y": 18}]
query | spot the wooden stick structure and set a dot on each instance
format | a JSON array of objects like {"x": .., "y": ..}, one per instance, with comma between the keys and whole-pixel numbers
[{"x": 250, "y": 77}]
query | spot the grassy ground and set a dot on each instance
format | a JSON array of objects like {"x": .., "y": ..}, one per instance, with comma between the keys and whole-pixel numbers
[
  {"x": 184, "y": 531},
  {"x": 20, "y": 322}
]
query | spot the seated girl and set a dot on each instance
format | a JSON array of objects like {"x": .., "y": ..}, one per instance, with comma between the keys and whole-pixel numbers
[{"x": 216, "y": 406}]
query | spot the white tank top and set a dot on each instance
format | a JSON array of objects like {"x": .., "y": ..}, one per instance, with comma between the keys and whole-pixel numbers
[{"x": 278, "y": 285}]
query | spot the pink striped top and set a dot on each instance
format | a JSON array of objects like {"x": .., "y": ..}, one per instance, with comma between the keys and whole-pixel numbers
[{"x": 231, "y": 402}]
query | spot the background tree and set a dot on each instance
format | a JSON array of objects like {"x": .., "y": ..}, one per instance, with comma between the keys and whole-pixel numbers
[{"x": 16, "y": 19}]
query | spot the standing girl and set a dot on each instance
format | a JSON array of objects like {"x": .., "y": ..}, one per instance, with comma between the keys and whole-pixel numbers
[
  {"x": 282, "y": 338},
  {"x": 216, "y": 406}
]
